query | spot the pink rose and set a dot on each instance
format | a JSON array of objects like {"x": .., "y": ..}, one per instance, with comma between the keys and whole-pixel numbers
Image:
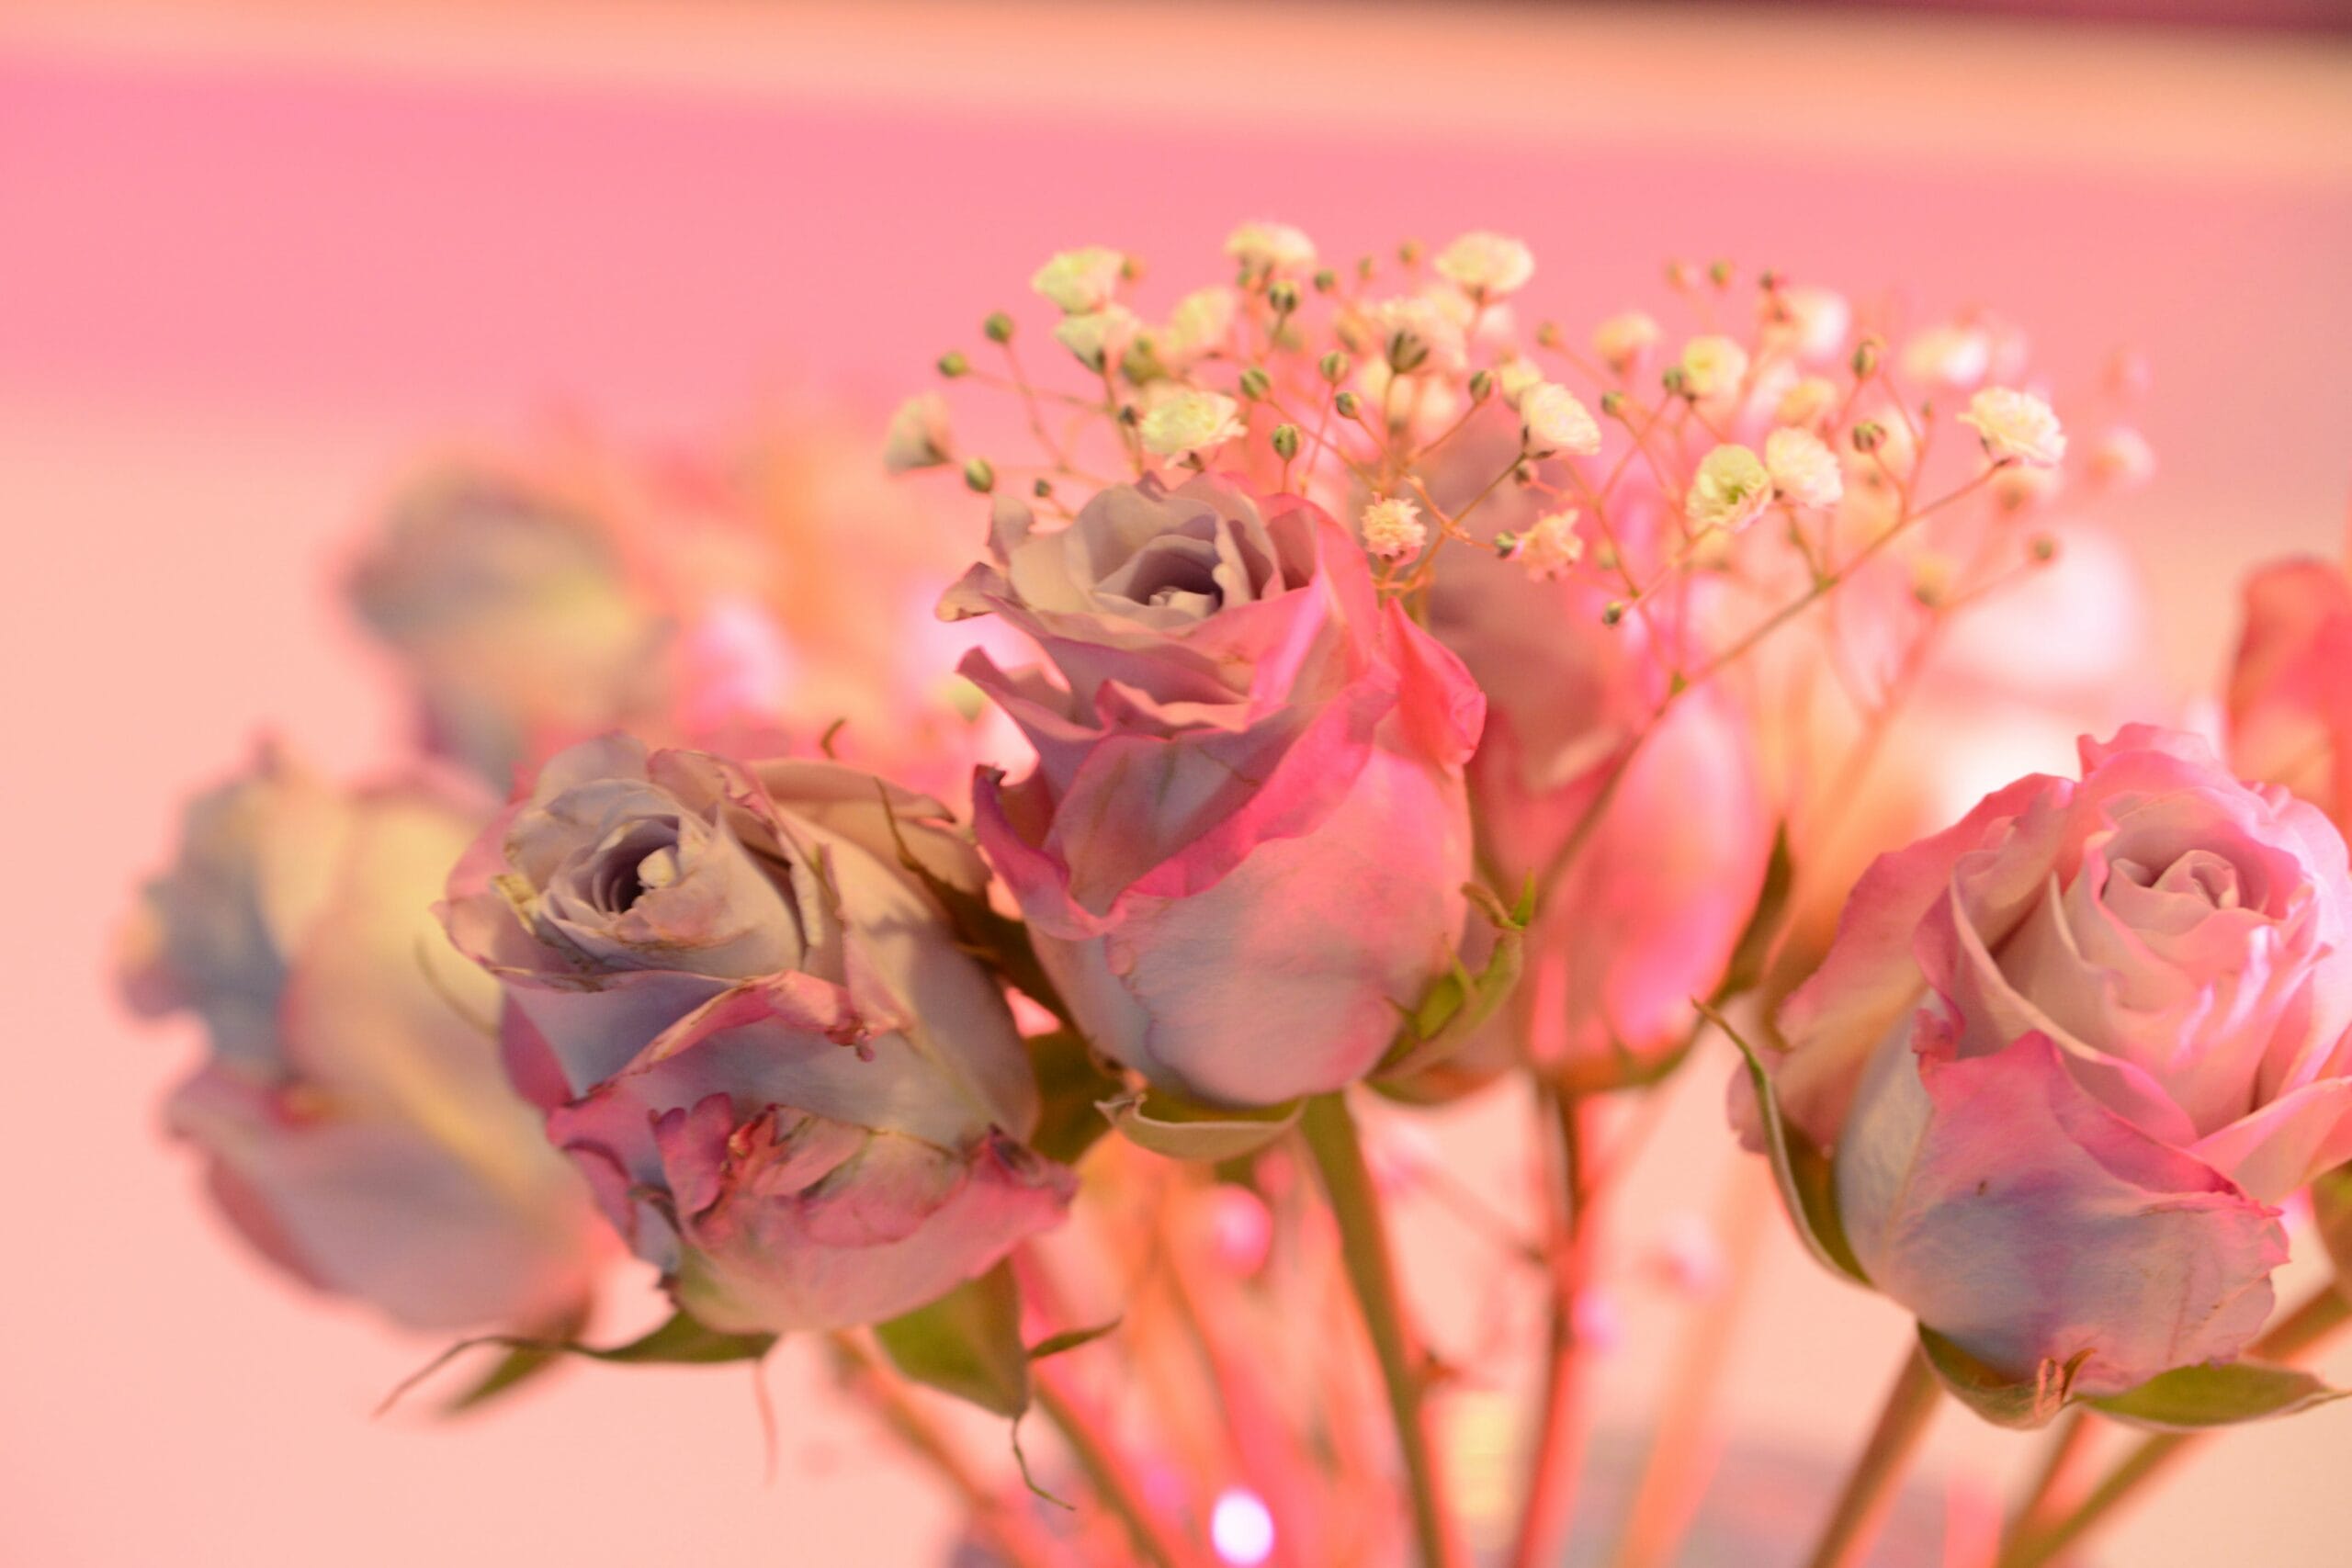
[
  {"x": 2069, "y": 1052},
  {"x": 791, "y": 1090},
  {"x": 1649, "y": 910},
  {"x": 359, "y": 1131},
  {"x": 1244, "y": 843},
  {"x": 2291, "y": 689}
]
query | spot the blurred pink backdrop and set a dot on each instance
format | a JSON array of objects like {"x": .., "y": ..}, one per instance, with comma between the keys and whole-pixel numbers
[{"x": 252, "y": 264}]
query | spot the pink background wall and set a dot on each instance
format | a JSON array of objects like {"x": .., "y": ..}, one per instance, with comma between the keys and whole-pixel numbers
[{"x": 249, "y": 267}]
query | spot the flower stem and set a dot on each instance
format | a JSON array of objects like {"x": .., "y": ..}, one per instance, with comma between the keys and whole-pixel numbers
[
  {"x": 1108, "y": 1474},
  {"x": 1559, "y": 1446},
  {"x": 1683, "y": 1445},
  {"x": 1012, "y": 1534},
  {"x": 1363, "y": 1245},
  {"x": 2290, "y": 1337},
  {"x": 1869, "y": 1489}
]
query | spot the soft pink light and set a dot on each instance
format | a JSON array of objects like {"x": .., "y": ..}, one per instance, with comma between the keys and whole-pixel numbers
[{"x": 1242, "y": 1528}]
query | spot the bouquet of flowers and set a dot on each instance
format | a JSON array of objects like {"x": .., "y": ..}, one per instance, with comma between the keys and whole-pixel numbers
[{"x": 1023, "y": 975}]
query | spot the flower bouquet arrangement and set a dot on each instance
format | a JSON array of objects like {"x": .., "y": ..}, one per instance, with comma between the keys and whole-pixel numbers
[{"x": 1023, "y": 975}]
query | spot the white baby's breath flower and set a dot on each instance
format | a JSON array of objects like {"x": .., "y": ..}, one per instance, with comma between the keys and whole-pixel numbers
[
  {"x": 1550, "y": 547},
  {"x": 1190, "y": 420},
  {"x": 1551, "y": 419},
  {"x": 1098, "y": 337},
  {"x": 1803, "y": 467},
  {"x": 1813, "y": 322},
  {"x": 1202, "y": 323},
  {"x": 1809, "y": 401},
  {"x": 1393, "y": 528},
  {"x": 1625, "y": 339},
  {"x": 1080, "y": 281},
  {"x": 1275, "y": 249},
  {"x": 2016, "y": 425},
  {"x": 1714, "y": 365},
  {"x": 1514, "y": 376},
  {"x": 917, "y": 436},
  {"x": 1731, "y": 489},
  {"x": 1416, "y": 335},
  {"x": 1952, "y": 355},
  {"x": 1420, "y": 406},
  {"x": 1486, "y": 266}
]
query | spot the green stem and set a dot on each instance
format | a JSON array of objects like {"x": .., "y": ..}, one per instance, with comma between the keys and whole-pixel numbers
[
  {"x": 1364, "y": 1245},
  {"x": 1109, "y": 1477},
  {"x": 2294, "y": 1335},
  {"x": 2067, "y": 1450},
  {"x": 1869, "y": 1489},
  {"x": 1011, "y": 1535},
  {"x": 1559, "y": 1449}
]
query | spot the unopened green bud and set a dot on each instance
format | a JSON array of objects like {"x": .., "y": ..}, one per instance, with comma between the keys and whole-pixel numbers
[
  {"x": 1866, "y": 355},
  {"x": 1285, "y": 442},
  {"x": 1283, "y": 297},
  {"x": 1326, "y": 280},
  {"x": 1869, "y": 436},
  {"x": 953, "y": 364},
  {"x": 979, "y": 475},
  {"x": 1255, "y": 383},
  {"x": 1346, "y": 403},
  {"x": 998, "y": 327},
  {"x": 1334, "y": 367},
  {"x": 1480, "y": 385}
]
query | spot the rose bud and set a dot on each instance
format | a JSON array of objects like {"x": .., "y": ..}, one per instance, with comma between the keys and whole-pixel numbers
[
  {"x": 2291, "y": 689},
  {"x": 508, "y": 605},
  {"x": 359, "y": 1131},
  {"x": 1244, "y": 843},
  {"x": 2068, "y": 1054},
  {"x": 1647, "y": 912},
  {"x": 793, "y": 1092}
]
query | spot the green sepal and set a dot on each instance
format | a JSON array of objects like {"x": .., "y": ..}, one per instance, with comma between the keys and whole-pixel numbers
[
  {"x": 1457, "y": 1003},
  {"x": 2021, "y": 1406},
  {"x": 2332, "y": 1208},
  {"x": 2192, "y": 1399},
  {"x": 523, "y": 1363},
  {"x": 1070, "y": 1339},
  {"x": 682, "y": 1341},
  {"x": 1171, "y": 1125},
  {"x": 1802, "y": 1170},
  {"x": 679, "y": 1341},
  {"x": 967, "y": 1344},
  {"x": 1071, "y": 1086},
  {"x": 1745, "y": 966}
]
